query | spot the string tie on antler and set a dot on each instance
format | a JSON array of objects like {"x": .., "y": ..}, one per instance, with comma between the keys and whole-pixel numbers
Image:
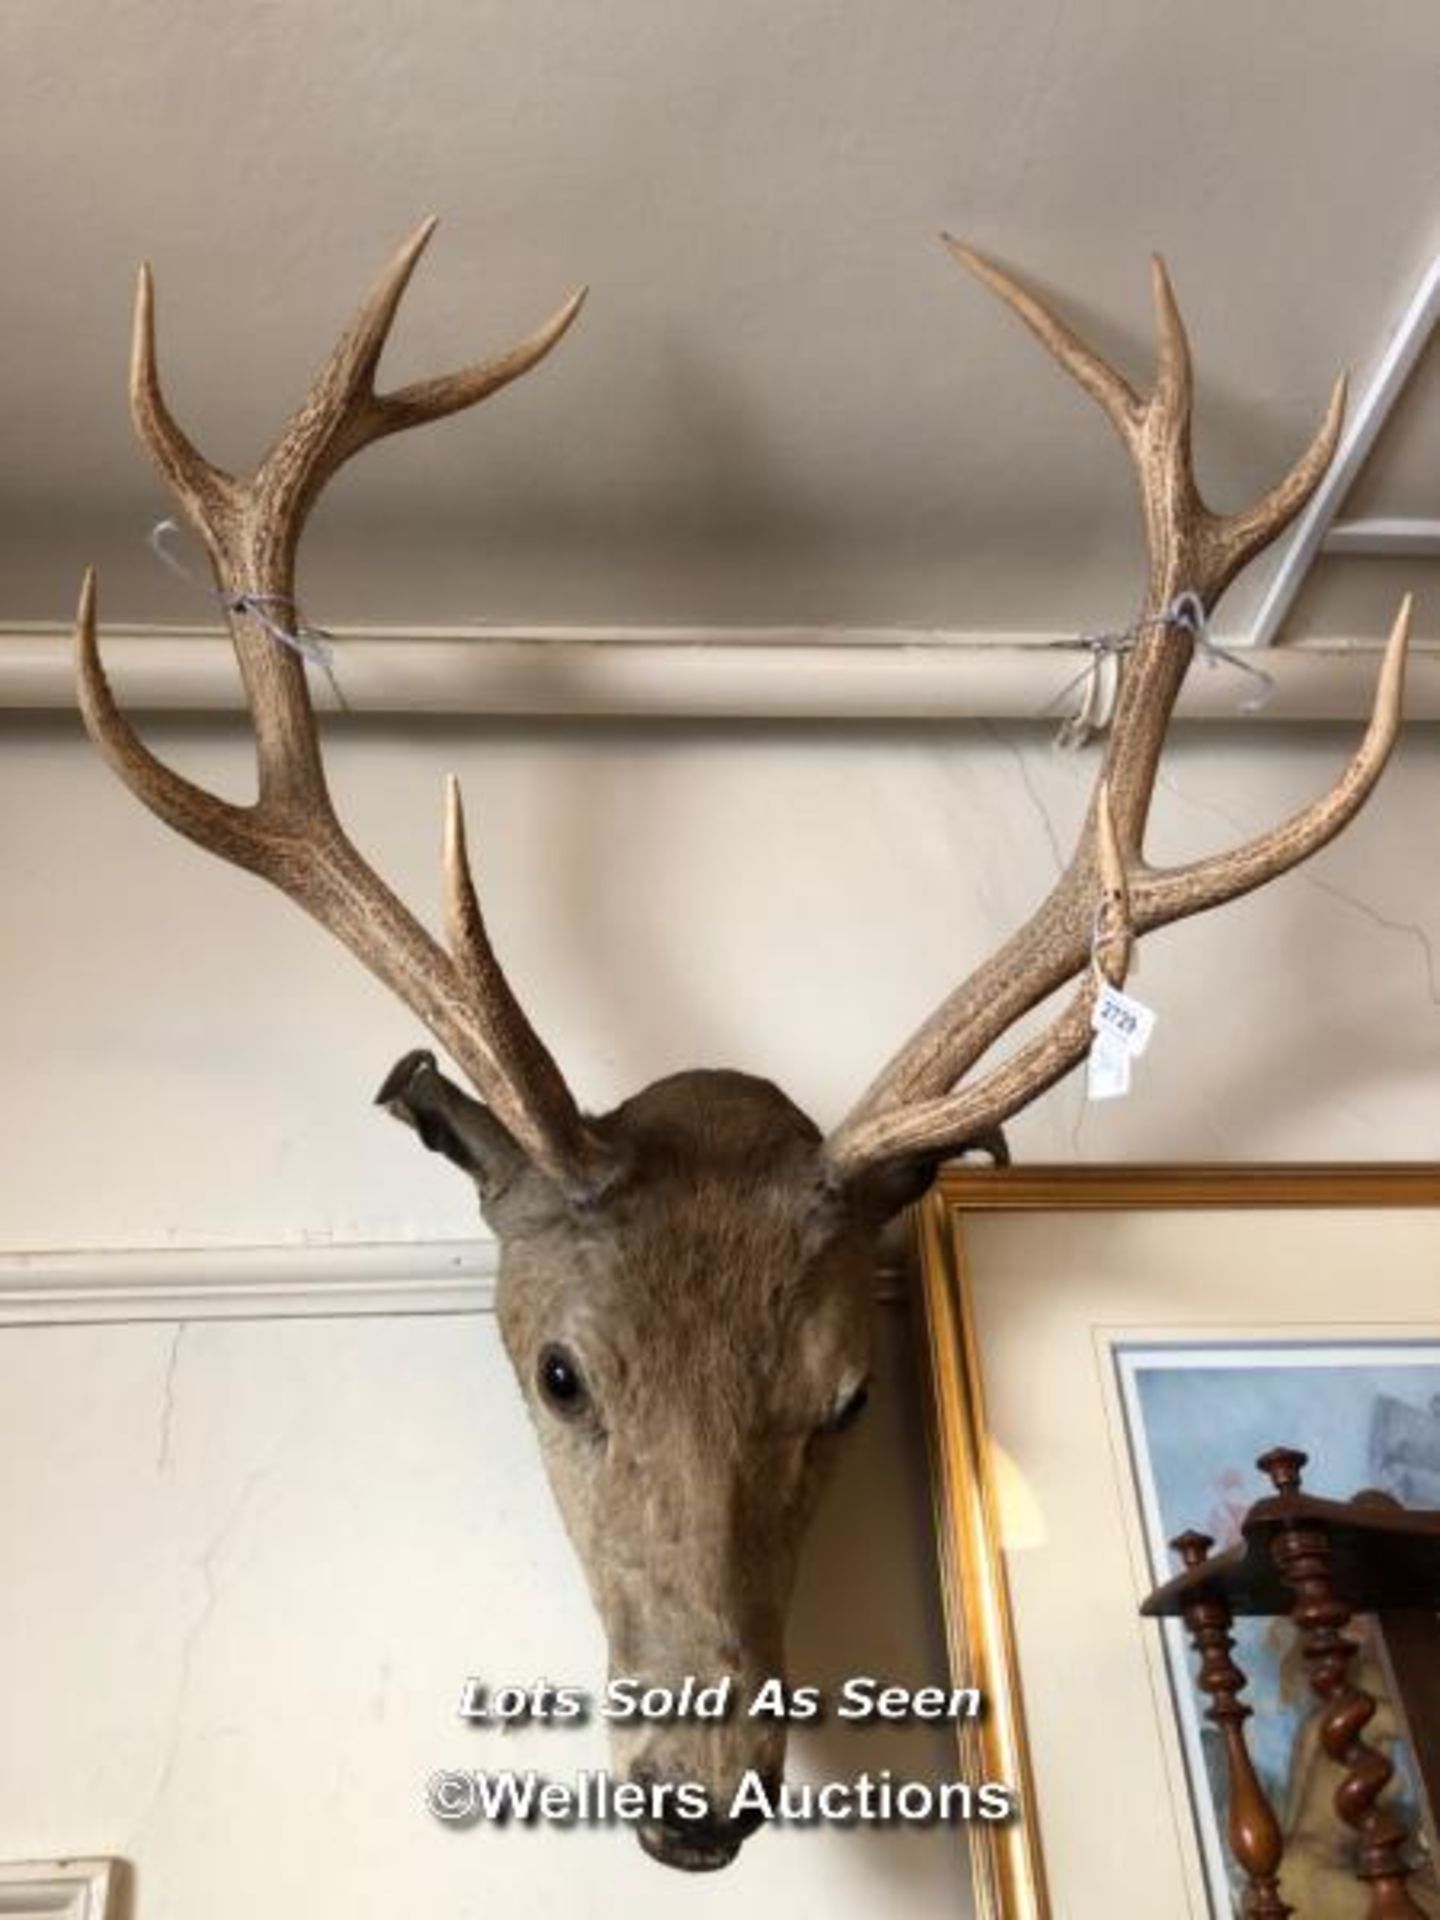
[
  {"x": 1187, "y": 611},
  {"x": 313, "y": 644},
  {"x": 1099, "y": 679}
]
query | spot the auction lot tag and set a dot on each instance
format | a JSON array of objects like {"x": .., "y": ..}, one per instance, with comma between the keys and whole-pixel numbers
[
  {"x": 1128, "y": 1019},
  {"x": 1123, "y": 1026}
]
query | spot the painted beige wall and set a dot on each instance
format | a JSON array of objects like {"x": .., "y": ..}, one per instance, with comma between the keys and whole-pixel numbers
[
  {"x": 249, "y": 1567},
  {"x": 189, "y": 1061}
]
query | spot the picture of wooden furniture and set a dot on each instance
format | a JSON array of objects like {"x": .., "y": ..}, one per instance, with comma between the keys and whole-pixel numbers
[{"x": 1320, "y": 1563}]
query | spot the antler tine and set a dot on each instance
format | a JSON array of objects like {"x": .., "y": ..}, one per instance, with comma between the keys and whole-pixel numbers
[
  {"x": 338, "y": 415},
  {"x": 1251, "y": 530},
  {"x": 522, "y": 1054},
  {"x": 200, "y": 816},
  {"x": 349, "y": 374},
  {"x": 208, "y": 494},
  {"x": 465, "y": 933},
  {"x": 918, "y": 1103},
  {"x": 1176, "y": 892},
  {"x": 448, "y": 393},
  {"x": 343, "y": 412},
  {"x": 1099, "y": 379},
  {"x": 1174, "y": 393}
]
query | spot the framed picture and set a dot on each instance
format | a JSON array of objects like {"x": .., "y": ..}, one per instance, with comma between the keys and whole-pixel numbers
[{"x": 1107, "y": 1351}]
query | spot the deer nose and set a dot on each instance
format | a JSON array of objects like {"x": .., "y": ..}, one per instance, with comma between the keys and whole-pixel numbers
[
  {"x": 719, "y": 1830},
  {"x": 703, "y": 1841}
]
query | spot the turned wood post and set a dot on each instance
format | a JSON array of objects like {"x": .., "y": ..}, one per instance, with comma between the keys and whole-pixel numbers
[
  {"x": 1303, "y": 1554},
  {"x": 1252, "y": 1829}
]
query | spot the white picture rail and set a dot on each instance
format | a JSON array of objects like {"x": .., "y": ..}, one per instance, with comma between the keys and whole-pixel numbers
[{"x": 70, "y": 1889}]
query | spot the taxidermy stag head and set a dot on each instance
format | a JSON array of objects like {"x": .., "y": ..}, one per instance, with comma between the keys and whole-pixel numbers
[{"x": 685, "y": 1281}]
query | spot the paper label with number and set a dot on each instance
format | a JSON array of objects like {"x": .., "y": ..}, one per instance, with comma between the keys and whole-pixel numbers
[{"x": 1124, "y": 1018}]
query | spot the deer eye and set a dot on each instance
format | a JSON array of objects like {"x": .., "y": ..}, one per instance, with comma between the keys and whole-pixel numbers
[
  {"x": 561, "y": 1382},
  {"x": 850, "y": 1408}
]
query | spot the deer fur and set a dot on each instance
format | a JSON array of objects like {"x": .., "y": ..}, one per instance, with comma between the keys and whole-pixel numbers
[{"x": 725, "y": 1262}]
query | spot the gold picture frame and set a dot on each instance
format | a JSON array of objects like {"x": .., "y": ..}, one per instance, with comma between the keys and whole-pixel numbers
[{"x": 1012, "y": 1872}]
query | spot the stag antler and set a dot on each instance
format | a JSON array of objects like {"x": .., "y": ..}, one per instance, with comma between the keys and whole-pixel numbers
[
  {"x": 919, "y": 1105},
  {"x": 291, "y": 835}
]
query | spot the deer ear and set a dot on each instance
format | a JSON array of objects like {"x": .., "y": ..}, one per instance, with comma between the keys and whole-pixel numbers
[
  {"x": 451, "y": 1122},
  {"x": 880, "y": 1191}
]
